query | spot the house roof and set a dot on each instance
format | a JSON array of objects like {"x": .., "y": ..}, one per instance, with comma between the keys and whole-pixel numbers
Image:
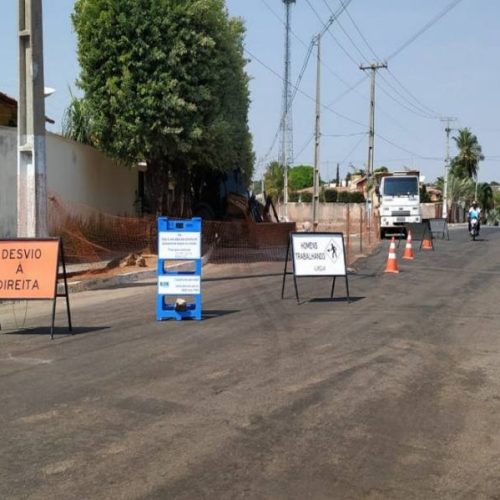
[{"x": 9, "y": 106}]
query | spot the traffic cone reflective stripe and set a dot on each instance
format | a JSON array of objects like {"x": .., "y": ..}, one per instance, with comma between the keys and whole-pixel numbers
[
  {"x": 392, "y": 261},
  {"x": 408, "y": 253}
]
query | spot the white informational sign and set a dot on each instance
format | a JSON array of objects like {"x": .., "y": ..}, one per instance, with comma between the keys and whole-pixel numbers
[
  {"x": 182, "y": 245},
  {"x": 179, "y": 285},
  {"x": 318, "y": 254}
]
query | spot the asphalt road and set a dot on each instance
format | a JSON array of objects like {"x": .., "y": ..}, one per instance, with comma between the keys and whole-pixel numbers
[{"x": 396, "y": 395}]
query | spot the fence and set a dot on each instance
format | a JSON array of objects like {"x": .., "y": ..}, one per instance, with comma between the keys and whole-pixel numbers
[{"x": 92, "y": 236}]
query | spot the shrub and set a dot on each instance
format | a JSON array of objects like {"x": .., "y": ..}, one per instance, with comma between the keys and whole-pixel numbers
[
  {"x": 343, "y": 197},
  {"x": 357, "y": 197},
  {"x": 306, "y": 197},
  {"x": 293, "y": 197},
  {"x": 330, "y": 195}
]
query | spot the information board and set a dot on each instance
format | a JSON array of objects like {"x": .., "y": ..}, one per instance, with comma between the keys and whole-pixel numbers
[
  {"x": 28, "y": 269},
  {"x": 179, "y": 285},
  {"x": 179, "y": 245},
  {"x": 318, "y": 254}
]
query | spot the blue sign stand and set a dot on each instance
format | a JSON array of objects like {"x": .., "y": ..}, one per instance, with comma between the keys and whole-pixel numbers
[{"x": 179, "y": 241}]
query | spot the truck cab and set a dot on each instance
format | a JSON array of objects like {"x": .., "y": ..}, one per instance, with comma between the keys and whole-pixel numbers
[{"x": 399, "y": 197}]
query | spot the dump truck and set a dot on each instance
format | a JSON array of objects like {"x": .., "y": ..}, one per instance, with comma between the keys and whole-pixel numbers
[{"x": 399, "y": 201}]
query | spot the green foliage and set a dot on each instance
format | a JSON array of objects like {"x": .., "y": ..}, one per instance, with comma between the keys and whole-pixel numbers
[
  {"x": 460, "y": 189},
  {"x": 300, "y": 177},
  {"x": 493, "y": 217},
  {"x": 496, "y": 198},
  {"x": 424, "y": 195},
  {"x": 350, "y": 197},
  {"x": 274, "y": 181},
  {"x": 357, "y": 197},
  {"x": 164, "y": 82},
  {"x": 330, "y": 195},
  {"x": 77, "y": 123},
  {"x": 485, "y": 197},
  {"x": 293, "y": 197},
  {"x": 466, "y": 163},
  {"x": 306, "y": 197}
]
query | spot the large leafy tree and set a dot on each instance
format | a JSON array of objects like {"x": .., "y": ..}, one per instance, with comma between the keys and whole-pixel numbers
[
  {"x": 466, "y": 163},
  {"x": 164, "y": 83},
  {"x": 300, "y": 177}
]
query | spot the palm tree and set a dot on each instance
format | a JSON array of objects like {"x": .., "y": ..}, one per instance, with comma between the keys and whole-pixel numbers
[
  {"x": 274, "y": 181},
  {"x": 466, "y": 163},
  {"x": 76, "y": 123}
]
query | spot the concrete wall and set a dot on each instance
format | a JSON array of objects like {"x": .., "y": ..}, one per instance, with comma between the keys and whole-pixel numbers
[
  {"x": 76, "y": 174},
  {"x": 337, "y": 212},
  {"x": 327, "y": 212},
  {"x": 8, "y": 182}
]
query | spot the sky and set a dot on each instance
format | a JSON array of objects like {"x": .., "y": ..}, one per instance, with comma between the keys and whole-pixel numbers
[{"x": 451, "y": 69}]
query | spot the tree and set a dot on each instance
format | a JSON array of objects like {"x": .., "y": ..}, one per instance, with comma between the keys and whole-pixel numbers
[
  {"x": 300, "y": 177},
  {"x": 274, "y": 181},
  {"x": 466, "y": 163},
  {"x": 164, "y": 83},
  {"x": 485, "y": 197},
  {"x": 76, "y": 124}
]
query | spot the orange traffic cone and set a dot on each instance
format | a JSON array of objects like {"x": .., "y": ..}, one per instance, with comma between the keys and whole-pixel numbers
[
  {"x": 408, "y": 253},
  {"x": 392, "y": 262},
  {"x": 427, "y": 244}
]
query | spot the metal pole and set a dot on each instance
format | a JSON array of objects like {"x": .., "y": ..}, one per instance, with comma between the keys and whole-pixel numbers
[
  {"x": 317, "y": 135},
  {"x": 286, "y": 156},
  {"x": 31, "y": 161}
]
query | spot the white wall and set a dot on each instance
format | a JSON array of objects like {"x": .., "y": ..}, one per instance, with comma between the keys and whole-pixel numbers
[{"x": 76, "y": 174}]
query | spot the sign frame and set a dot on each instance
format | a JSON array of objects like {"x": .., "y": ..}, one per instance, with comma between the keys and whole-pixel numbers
[
  {"x": 334, "y": 275},
  {"x": 190, "y": 253},
  {"x": 60, "y": 263}
]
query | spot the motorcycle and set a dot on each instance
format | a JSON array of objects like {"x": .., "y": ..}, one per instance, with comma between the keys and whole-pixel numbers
[{"x": 474, "y": 230}]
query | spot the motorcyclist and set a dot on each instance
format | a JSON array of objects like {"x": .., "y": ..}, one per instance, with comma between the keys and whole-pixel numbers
[{"x": 474, "y": 213}]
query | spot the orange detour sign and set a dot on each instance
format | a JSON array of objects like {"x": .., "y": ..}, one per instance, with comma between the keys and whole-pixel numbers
[
  {"x": 29, "y": 270},
  {"x": 408, "y": 253},
  {"x": 392, "y": 262}
]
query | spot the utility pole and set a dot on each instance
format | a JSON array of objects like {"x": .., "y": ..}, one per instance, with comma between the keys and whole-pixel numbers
[
  {"x": 371, "y": 118},
  {"x": 447, "y": 120},
  {"x": 31, "y": 163},
  {"x": 286, "y": 147},
  {"x": 317, "y": 136}
]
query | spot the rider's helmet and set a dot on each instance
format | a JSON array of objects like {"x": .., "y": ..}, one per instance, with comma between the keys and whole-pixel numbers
[{"x": 474, "y": 204}]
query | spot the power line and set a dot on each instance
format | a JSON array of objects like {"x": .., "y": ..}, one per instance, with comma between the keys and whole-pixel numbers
[
  {"x": 356, "y": 146},
  {"x": 326, "y": 28},
  {"x": 422, "y": 105},
  {"x": 415, "y": 111},
  {"x": 324, "y": 106},
  {"x": 422, "y": 30},
  {"x": 346, "y": 32},
  {"x": 359, "y": 31}
]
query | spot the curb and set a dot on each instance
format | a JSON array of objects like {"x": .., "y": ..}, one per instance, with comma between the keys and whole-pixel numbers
[{"x": 122, "y": 279}]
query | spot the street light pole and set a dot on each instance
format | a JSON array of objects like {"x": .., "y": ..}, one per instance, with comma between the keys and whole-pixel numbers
[
  {"x": 317, "y": 137},
  {"x": 31, "y": 162},
  {"x": 448, "y": 120}
]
